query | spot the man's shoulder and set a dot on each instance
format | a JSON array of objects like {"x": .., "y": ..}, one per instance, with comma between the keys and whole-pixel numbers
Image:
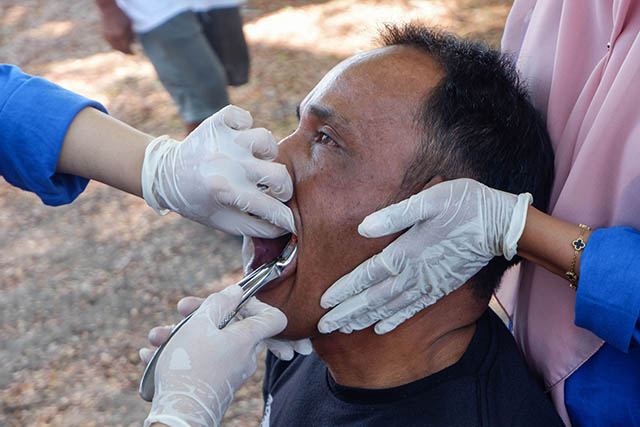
[
  {"x": 490, "y": 385},
  {"x": 278, "y": 371},
  {"x": 514, "y": 395}
]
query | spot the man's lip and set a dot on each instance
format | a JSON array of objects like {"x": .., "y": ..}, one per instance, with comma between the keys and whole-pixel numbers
[
  {"x": 293, "y": 265},
  {"x": 268, "y": 250}
]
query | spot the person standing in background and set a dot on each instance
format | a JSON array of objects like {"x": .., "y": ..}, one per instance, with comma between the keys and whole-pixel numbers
[{"x": 196, "y": 47}]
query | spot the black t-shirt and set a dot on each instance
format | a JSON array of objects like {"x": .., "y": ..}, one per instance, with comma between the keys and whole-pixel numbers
[{"x": 488, "y": 386}]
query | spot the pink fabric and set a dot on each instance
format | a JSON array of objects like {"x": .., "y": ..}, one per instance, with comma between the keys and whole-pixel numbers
[{"x": 590, "y": 97}]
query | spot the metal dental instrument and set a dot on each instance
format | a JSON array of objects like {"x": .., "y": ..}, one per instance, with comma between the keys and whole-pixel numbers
[{"x": 250, "y": 284}]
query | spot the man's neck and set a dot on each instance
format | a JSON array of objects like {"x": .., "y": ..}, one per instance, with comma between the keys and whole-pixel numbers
[{"x": 432, "y": 340}]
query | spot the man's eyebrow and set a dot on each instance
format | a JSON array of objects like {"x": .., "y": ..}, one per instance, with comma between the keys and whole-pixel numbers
[{"x": 325, "y": 113}]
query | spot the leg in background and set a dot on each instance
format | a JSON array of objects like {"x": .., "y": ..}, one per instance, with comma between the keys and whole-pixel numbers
[
  {"x": 188, "y": 67},
  {"x": 223, "y": 29}
]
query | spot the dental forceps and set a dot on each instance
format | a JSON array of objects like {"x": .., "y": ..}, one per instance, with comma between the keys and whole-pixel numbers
[{"x": 250, "y": 284}]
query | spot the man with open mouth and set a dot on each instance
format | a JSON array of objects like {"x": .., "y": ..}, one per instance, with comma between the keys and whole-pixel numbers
[{"x": 381, "y": 126}]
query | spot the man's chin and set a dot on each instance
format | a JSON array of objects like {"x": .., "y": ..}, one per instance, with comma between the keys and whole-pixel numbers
[
  {"x": 299, "y": 330},
  {"x": 279, "y": 294}
]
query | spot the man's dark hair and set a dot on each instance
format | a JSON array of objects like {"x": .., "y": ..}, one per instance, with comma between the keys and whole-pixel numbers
[{"x": 477, "y": 122}]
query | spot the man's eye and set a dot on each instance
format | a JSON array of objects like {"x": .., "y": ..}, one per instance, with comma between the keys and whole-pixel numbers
[{"x": 324, "y": 139}]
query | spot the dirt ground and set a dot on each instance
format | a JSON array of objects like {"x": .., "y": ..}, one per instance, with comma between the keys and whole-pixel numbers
[{"x": 81, "y": 285}]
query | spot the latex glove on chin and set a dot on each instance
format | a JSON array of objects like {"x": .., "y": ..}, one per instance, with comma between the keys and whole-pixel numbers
[
  {"x": 281, "y": 348},
  {"x": 202, "y": 366},
  {"x": 221, "y": 176},
  {"x": 456, "y": 228}
]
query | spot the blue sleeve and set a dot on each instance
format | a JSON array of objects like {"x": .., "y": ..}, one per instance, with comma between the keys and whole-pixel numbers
[
  {"x": 608, "y": 298},
  {"x": 34, "y": 117}
]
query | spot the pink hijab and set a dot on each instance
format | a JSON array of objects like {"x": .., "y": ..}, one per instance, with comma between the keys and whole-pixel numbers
[{"x": 581, "y": 61}]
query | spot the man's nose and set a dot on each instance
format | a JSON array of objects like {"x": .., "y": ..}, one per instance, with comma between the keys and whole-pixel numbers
[{"x": 286, "y": 156}]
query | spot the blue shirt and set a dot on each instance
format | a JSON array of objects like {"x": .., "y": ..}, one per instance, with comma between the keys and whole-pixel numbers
[
  {"x": 34, "y": 117},
  {"x": 605, "y": 390}
]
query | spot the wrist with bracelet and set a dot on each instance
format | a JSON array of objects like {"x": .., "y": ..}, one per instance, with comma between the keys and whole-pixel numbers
[{"x": 578, "y": 245}]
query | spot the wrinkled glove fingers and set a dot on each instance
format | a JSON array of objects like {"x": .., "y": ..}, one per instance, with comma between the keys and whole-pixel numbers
[
  {"x": 282, "y": 349},
  {"x": 233, "y": 117},
  {"x": 359, "y": 306},
  {"x": 145, "y": 355},
  {"x": 188, "y": 305},
  {"x": 252, "y": 307},
  {"x": 385, "y": 310},
  {"x": 400, "y": 216},
  {"x": 274, "y": 218},
  {"x": 260, "y": 142},
  {"x": 253, "y": 226},
  {"x": 156, "y": 337},
  {"x": 286, "y": 349},
  {"x": 271, "y": 177},
  {"x": 370, "y": 272},
  {"x": 303, "y": 346},
  {"x": 383, "y": 300},
  {"x": 261, "y": 320},
  {"x": 401, "y": 316},
  {"x": 159, "y": 335},
  {"x": 219, "y": 305}
]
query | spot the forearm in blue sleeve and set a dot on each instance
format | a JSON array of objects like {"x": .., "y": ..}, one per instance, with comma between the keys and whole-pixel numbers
[
  {"x": 608, "y": 298},
  {"x": 34, "y": 117}
]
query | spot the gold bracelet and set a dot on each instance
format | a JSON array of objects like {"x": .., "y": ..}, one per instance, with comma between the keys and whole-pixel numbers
[{"x": 578, "y": 245}]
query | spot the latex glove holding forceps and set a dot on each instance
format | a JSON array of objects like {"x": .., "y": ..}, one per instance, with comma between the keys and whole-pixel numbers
[
  {"x": 194, "y": 395},
  {"x": 201, "y": 368}
]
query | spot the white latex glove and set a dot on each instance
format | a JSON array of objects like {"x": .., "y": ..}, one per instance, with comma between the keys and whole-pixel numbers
[
  {"x": 457, "y": 227},
  {"x": 219, "y": 175},
  {"x": 202, "y": 366},
  {"x": 282, "y": 349}
]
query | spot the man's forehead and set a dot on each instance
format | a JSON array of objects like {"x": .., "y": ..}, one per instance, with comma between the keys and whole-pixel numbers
[
  {"x": 354, "y": 67},
  {"x": 372, "y": 84}
]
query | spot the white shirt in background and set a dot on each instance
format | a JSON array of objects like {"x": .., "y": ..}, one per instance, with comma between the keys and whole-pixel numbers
[{"x": 146, "y": 15}]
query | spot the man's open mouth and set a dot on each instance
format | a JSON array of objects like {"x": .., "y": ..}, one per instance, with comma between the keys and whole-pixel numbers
[{"x": 266, "y": 250}]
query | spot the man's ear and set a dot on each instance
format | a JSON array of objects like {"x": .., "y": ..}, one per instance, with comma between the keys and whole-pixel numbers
[{"x": 433, "y": 181}]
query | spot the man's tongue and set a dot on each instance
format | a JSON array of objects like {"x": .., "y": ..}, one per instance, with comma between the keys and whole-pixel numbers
[{"x": 267, "y": 249}]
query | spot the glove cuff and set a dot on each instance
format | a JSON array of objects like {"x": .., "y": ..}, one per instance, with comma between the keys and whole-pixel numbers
[
  {"x": 516, "y": 225},
  {"x": 152, "y": 159},
  {"x": 170, "y": 420}
]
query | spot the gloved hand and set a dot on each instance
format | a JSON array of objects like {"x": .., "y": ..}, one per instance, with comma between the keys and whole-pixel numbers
[
  {"x": 202, "y": 366},
  {"x": 282, "y": 349},
  {"x": 221, "y": 176},
  {"x": 457, "y": 227}
]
